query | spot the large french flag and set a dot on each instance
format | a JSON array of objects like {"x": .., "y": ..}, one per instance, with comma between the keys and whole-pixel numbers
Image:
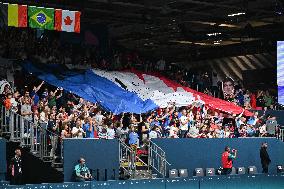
[
  {"x": 128, "y": 91},
  {"x": 149, "y": 87}
]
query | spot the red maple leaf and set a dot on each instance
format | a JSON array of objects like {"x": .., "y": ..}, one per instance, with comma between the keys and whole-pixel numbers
[{"x": 68, "y": 20}]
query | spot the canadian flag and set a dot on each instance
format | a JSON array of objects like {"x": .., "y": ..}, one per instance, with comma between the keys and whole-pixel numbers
[{"x": 68, "y": 21}]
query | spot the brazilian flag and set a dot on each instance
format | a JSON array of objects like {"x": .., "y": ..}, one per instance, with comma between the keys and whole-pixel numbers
[{"x": 40, "y": 17}]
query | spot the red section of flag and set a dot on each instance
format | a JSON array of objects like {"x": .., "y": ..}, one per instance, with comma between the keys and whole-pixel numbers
[
  {"x": 77, "y": 22},
  {"x": 68, "y": 21},
  {"x": 58, "y": 20},
  {"x": 22, "y": 16}
]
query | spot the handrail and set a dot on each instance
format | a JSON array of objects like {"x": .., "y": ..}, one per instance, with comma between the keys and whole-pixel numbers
[
  {"x": 156, "y": 146},
  {"x": 27, "y": 132},
  {"x": 163, "y": 152},
  {"x": 133, "y": 157},
  {"x": 157, "y": 158},
  {"x": 280, "y": 134}
]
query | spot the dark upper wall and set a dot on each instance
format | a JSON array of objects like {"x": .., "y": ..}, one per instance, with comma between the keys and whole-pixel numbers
[{"x": 234, "y": 66}]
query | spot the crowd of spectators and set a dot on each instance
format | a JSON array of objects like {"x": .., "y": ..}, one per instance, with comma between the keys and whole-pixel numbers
[{"x": 64, "y": 115}]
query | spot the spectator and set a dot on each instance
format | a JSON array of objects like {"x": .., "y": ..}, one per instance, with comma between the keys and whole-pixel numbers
[
  {"x": 89, "y": 127},
  {"x": 77, "y": 131},
  {"x": 183, "y": 124},
  {"x": 110, "y": 132},
  {"x": 82, "y": 172},
  {"x": 268, "y": 100},
  {"x": 133, "y": 138}
]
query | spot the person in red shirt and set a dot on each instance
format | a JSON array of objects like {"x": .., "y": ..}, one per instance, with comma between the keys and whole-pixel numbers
[
  {"x": 253, "y": 101},
  {"x": 7, "y": 101},
  {"x": 227, "y": 160}
]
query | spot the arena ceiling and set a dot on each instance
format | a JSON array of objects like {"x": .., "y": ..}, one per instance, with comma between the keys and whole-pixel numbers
[{"x": 184, "y": 28}]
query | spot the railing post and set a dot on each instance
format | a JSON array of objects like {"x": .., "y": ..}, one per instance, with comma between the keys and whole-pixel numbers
[
  {"x": 11, "y": 125},
  {"x": 21, "y": 128},
  {"x": 32, "y": 137}
]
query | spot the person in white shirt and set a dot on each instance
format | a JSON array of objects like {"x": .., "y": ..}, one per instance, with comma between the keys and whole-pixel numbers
[
  {"x": 155, "y": 133},
  {"x": 183, "y": 124},
  {"x": 78, "y": 132},
  {"x": 99, "y": 118},
  {"x": 262, "y": 130},
  {"x": 173, "y": 133},
  {"x": 110, "y": 132}
]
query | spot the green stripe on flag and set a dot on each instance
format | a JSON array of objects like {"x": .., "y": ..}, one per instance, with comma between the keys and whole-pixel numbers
[{"x": 40, "y": 17}]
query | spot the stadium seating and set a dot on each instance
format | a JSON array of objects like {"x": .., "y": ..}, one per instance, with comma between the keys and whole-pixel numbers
[
  {"x": 280, "y": 169},
  {"x": 252, "y": 170},
  {"x": 210, "y": 171},
  {"x": 199, "y": 172},
  {"x": 173, "y": 173},
  {"x": 234, "y": 171},
  {"x": 241, "y": 171},
  {"x": 183, "y": 173}
]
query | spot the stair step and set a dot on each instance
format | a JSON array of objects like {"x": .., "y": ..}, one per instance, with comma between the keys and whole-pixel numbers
[
  {"x": 138, "y": 164},
  {"x": 143, "y": 174}
]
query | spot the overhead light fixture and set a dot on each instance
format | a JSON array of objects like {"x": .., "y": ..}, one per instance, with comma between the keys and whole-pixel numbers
[
  {"x": 237, "y": 14},
  {"x": 213, "y": 34},
  {"x": 218, "y": 42}
]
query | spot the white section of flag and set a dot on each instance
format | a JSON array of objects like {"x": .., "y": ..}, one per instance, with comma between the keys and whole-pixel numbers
[
  {"x": 68, "y": 20},
  {"x": 153, "y": 88}
]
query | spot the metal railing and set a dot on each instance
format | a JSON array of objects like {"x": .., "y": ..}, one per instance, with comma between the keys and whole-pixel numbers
[
  {"x": 157, "y": 159},
  {"x": 128, "y": 158},
  {"x": 34, "y": 136},
  {"x": 280, "y": 134}
]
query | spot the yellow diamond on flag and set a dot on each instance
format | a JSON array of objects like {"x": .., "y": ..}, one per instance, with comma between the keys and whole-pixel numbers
[{"x": 41, "y": 18}]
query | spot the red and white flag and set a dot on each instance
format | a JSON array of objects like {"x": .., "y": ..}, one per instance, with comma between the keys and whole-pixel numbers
[{"x": 68, "y": 21}]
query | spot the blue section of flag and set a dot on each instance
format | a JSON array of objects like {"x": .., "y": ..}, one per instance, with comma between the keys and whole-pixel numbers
[
  {"x": 281, "y": 95},
  {"x": 93, "y": 88}
]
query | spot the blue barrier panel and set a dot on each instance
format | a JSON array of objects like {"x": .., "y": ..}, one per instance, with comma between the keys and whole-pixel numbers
[
  {"x": 4, "y": 183},
  {"x": 67, "y": 185},
  {"x": 14, "y": 187},
  {"x": 182, "y": 183},
  {"x": 273, "y": 181},
  {"x": 3, "y": 163},
  {"x": 37, "y": 186},
  {"x": 83, "y": 185},
  {"x": 110, "y": 185},
  {"x": 99, "y": 155},
  {"x": 205, "y": 153},
  {"x": 243, "y": 182},
  {"x": 212, "y": 183},
  {"x": 233, "y": 182},
  {"x": 147, "y": 184}
]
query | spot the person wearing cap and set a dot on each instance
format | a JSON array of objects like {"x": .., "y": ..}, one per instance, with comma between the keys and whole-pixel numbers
[
  {"x": 227, "y": 160},
  {"x": 265, "y": 159},
  {"x": 82, "y": 172}
]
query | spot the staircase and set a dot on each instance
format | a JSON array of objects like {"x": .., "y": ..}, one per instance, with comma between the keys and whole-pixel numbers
[
  {"x": 151, "y": 164},
  {"x": 29, "y": 136}
]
